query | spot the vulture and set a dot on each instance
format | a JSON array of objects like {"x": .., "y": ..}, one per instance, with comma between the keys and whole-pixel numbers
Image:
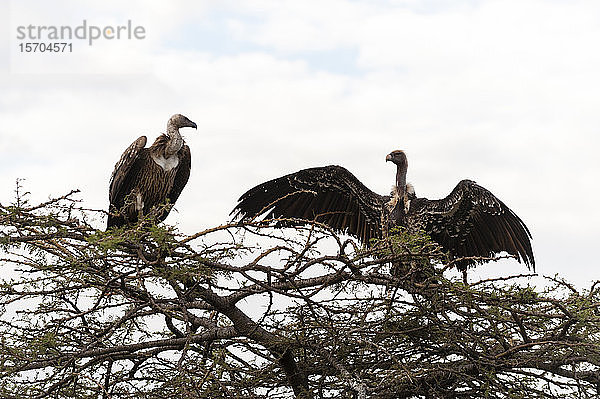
[
  {"x": 145, "y": 178},
  {"x": 471, "y": 223}
]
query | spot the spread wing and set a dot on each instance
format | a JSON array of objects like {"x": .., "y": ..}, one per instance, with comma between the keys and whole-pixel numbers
[
  {"x": 472, "y": 222},
  {"x": 182, "y": 175},
  {"x": 330, "y": 195}
]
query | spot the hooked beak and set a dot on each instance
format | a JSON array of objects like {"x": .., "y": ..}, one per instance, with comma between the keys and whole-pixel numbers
[
  {"x": 388, "y": 157},
  {"x": 193, "y": 124}
]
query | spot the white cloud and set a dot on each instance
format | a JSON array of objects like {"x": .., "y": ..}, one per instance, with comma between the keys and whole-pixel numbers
[{"x": 503, "y": 93}]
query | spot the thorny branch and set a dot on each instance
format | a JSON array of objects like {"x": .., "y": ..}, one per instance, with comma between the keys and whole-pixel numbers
[{"x": 247, "y": 311}]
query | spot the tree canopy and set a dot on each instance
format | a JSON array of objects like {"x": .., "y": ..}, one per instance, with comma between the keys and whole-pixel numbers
[{"x": 248, "y": 311}]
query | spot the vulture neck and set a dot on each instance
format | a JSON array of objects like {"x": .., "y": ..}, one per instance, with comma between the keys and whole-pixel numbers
[
  {"x": 401, "y": 180},
  {"x": 175, "y": 140}
]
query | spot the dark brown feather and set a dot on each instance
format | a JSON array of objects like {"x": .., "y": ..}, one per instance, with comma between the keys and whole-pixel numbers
[
  {"x": 123, "y": 167},
  {"x": 329, "y": 195},
  {"x": 472, "y": 222},
  {"x": 183, "y": 173}
]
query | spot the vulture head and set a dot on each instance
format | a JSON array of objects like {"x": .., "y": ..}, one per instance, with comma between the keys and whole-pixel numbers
[
  {"x": 177, "y": 121},
  {"x": 401, "y": 188},
  {"x": 398, "y": 157}
]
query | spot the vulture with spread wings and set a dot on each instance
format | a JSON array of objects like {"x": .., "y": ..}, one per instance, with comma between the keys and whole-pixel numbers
[
  {"x": 470, "y": 223},
  {"x": 145, "y": 178}
]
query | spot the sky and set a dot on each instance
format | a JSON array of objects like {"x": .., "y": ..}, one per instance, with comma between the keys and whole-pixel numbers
[{"x": 501, "y": 92}]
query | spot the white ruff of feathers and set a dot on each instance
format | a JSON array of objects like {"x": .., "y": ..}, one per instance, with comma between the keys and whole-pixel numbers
[{"x": 395, "y": 193}]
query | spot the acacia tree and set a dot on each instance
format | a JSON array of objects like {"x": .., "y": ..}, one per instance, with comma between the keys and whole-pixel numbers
[{"x": 246, "y": 311}]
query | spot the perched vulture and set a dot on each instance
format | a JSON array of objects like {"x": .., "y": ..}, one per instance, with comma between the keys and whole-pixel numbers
[
  {"x": 469, "y": 223},
  {"x": 149, "y": 177}
]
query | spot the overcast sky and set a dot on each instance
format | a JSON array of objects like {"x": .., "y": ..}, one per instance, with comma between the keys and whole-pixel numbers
[{"x": 506, "y": 93}]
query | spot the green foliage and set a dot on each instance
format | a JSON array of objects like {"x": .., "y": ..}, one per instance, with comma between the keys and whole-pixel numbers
[
  {"x": 408, "y": 246},
  {"x": 144, "y": 311}
]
